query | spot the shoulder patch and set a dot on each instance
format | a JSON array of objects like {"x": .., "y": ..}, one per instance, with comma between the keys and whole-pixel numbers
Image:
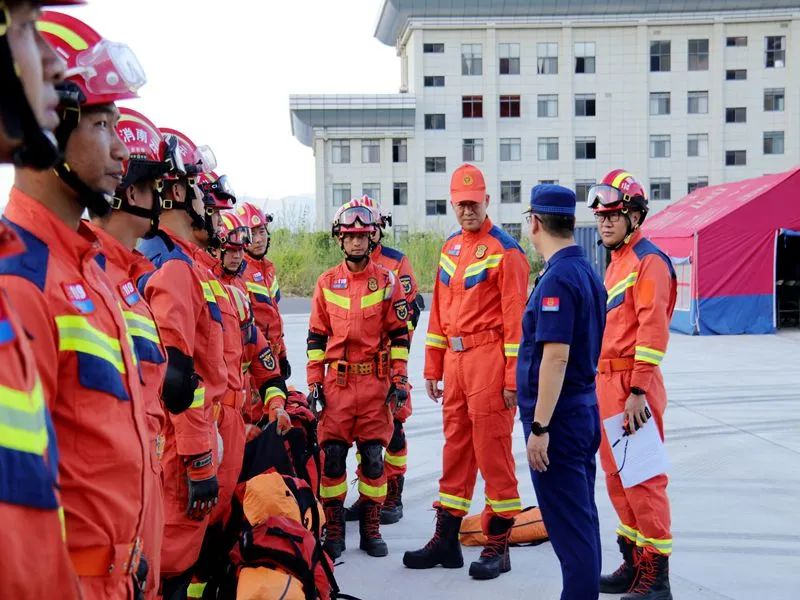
[
  {"x": 392, "y": 253},
  {"x": 31, "y": 264},
  {"x": 405, "y": 282},
  {"x": 505, "y": 240},
  {"x": 401, "y": 310},
  {"x": 645, "y": 247}
]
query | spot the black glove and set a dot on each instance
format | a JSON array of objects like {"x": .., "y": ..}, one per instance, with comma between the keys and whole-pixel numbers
[
  {"x": 398, "y": 393},
  {"x": 316, "y": 396},
  {"x": 203, "y": 486},
  {"x": 286, "y": 368}
]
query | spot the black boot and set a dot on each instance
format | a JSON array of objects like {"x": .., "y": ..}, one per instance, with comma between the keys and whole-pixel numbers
[
  {"x": 369, "y": 526},
  {"x": 353, "y": 512},
  {"x": 495, "y": 558},
  {"x": 334, "y": 536},
  {"x": 444, "y": 547},
  {"x": 620, "y": 581},
  {"x": 392, "y": 510},
  {"x": 652, "y": 578}
]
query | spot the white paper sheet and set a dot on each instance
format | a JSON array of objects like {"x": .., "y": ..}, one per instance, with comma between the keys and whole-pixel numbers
[{"x": 641, "y": 456}]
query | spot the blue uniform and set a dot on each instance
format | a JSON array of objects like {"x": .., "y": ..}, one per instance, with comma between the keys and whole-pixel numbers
[{"x": 567, "y": 306}]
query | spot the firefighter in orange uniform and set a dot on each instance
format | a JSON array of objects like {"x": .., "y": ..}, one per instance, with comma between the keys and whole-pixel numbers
[
  {"x": 190, "y": 326},
  {"x": 87, "y": 365},
  {"x": 358, "y": 328},
  {"x": 642, "y": 289},
  {"x": 31, "y": 540},
  {"x": 472, "y": 343}
]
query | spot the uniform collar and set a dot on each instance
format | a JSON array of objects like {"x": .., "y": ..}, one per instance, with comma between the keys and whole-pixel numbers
[
  {"x": 369, "y": 271},
  {"x": 33, "y": 216},
  {"x": 111, "y": 247},
  {"x": 568, "y": 252},
  {"x": 627, "y": 248},
  {"x": 476, "y": 235}
]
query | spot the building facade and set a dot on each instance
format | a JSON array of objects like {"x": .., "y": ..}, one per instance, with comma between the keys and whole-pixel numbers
[{"x": 532, "y": 92}]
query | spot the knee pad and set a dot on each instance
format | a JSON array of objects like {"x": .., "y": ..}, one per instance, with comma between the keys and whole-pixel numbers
[
  {"x": 398, "y": 441},
  {"x": 335, "y": 459},
  {"x": 371, "y": 459}
]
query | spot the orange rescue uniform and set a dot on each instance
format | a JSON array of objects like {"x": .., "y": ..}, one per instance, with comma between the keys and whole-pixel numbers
[
  {"x": 642, "y": 289},
  {"x": 91, "y": 381},
  {"x": 473, "y": 343},
  {"x": 265, "y": 294}
]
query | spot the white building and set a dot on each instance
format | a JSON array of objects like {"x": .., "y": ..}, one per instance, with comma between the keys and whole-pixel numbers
[{"x": 561, "y": 91}]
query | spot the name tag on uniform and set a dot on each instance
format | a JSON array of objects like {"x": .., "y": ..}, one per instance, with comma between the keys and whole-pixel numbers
[
  {"x": 76, "y": 294},
  {"x": 339, "y": 284},
  {"x": 129, "y": 292},
  {"x": 455, "y": 250},
  {"x": 550, "y": 304},
  {"x": 257, "y": 276}
]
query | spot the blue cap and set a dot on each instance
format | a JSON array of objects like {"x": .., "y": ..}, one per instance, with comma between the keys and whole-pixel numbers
[{"x": 550, "y": 199}]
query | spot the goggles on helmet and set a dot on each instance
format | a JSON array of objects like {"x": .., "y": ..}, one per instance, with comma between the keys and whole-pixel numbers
[
  {"x": 203, "y": 161},
  {"x": 109, "y": 68},
  {"x": 172, "y": 156},
  {"x": 360, "y": 214},
  {"x": 238, "y": 237},
  {"x": 222, "y": 187},
  {"x": 604, "y": 195}
]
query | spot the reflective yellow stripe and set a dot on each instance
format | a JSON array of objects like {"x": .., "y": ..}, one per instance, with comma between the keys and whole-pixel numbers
[
  {"x": 399, "y": 353},
  {"x": 448, "y": 265},
  {"x": 218, "y": 290},
  {"x": 372, "y": 299},
  {"x": 449, "y": 501},
  {"x": 371, "y": 490},
  {"x": 141, "y": 326},
  {"x": 410, "y": 326},
  {"x": 272, "y": 393},
  {"x": 333, "y": 298},
  {"x": 500, "y": 506},
  {"x": 257, "y": 289},
  {"x": 199, "y": 398},
  {"x": 208, "y": 293},
  {"x": 63, "y": 520},
  {"x": 436, "y": 341},
  {"x": 332, "y": 491},
  {"x": 511, "y": 350},
  {"x": 274, "y": 288},
  {"x": 663, "y": 546},
  {"x": 77, "y": 334},
  {"x": 61, "y": 32},
  {"x": 396, "y": 461},
  {"x": 490, "y": 262},
  {"x": 649, "y": 355},
  {"x": 620, "y": 178},
  {"x": 315, "y": 354},
  {"x": 620, "y": 287},
  {"x": 22, "y": 422},
  {"x": 245, "y": 366},
  {"x": 195, "y": 590},
  {"x": 627, "y": 532}
]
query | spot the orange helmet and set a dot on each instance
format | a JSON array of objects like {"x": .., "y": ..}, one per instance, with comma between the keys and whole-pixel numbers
[
  {"x": 252, "y": 216},
  {"x": 618, "y": 191},
  {"x": 356, "y": 216}
]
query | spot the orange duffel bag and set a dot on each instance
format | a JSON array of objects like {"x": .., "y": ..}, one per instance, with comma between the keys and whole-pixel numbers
[
  {"x": 528, "y": 529},
  {"x": 258, "y": 583}
]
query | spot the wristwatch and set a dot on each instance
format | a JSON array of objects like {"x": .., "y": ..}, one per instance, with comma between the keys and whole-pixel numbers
[
  {"x": 539, "y": 429},
  {"x": 637, "y": 391}
]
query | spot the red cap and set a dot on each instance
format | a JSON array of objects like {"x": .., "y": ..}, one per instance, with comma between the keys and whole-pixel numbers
[{"x": 467, "y": 185}]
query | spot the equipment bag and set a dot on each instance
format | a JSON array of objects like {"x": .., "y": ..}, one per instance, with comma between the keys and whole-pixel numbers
[
  {"x": 528, "y": 529},
  {"x": 301, "y": 440}
]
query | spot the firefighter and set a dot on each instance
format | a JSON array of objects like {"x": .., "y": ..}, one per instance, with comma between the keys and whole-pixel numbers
[
  {"x": 642, "y": 289},
  {"x": 472, "y": 343},
  {"x": 358, "y": 329},
  {"x": 190, "y": 326},
  {"x": 396, "y": 455},
  {"x": 31, "y": 538},
  {"x": 262, "y": 282},
  {"x": 87, "y": 365}
]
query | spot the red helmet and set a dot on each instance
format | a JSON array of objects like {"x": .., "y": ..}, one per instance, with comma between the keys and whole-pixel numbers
[
  {"x": 356, "y": 216},
  {"x": 218, "y": 193},
  {"x": 196, "y": 159},
  {"x": 103, "y": 71},
  {"x": 235, "y": 233},
  {"x": 619, "y": 190},
  {"x": 253, "y": 216},
  {"x": 150, "y": 156}
]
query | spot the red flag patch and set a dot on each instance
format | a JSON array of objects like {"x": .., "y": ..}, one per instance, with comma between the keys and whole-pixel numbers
[{"x": 550, "y": 304}]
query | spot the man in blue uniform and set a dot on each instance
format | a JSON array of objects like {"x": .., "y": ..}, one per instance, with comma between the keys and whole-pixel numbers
[{"x": 562, "y": 331}]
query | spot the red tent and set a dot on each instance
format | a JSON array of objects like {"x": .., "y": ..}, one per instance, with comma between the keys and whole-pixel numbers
[{"x": 723, "y": 241}]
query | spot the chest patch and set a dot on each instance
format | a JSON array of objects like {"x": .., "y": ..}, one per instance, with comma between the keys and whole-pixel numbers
[
  {"x": 339, "y": 284},
  {"x": 129, "y": 293},
  {"x": 258, "y": 276},
  {"x": 372, "y": 284},
  {"x": 455, "y": 250},
  {"x": 480, "y": 251},
  {"x": 77, "y": 295}
]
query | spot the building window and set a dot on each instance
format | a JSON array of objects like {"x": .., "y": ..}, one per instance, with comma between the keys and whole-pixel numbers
[
  {"x": 472, "y": 107},
  {"x": 400, "y": 232},
  {"x": 582, "y": 190},
  {"x": 698, "y": 55},
  {"x": 472, "y": 150},
  {"x": 510, "y": 192},
  {"x": 774, "y": 100},
  {"x": 660, "y": 146},
  {"x": 736, "y": 74},
  {"x": 471, "y": 59},
  {"x": 696, "y": 182},
  {"x": 659, "y": 103},
  {"x": 434, "y": 81},
  {"x": 773, "y": 142},
  {"x": 547, "y": 55},
  {"x": 370, "y": 151},
  {"x": 510, "y": 149},
  {"x": 547, "y": 105},
  {"x": 585, "y": 148},
  {"x": 435, "y": 164},
  {"x": 434, "y": 121},
  {"x": 660, "y": 189},
  {"x": 513, "y": 229},
  {"x": 739, "y": 41},
  {"x": 340, "y": 151},
  {"x": 585, "y": 105},
  {"x": 373, "y": 190},
  {"x": 510, "y": 106},
  {"x": 660, "y": 56},
  {"x": 735, "y": 158},
  {"x": 548, "y": 148},
  {"x": 435, "y": 208},
  {"x": 399, "y": 150},
  {"x": 433, "y": 48},
  {"x": 509, "y": 59},
  {"x": 341, "y": 193},
  {"x": 698, "y": 103},
  {"x": 736, "y": 115},
  {"x": 697, "y": 145},
  {"x": 584, "y": 57},
  {"x": 548, "y": 182},
  {"x": 775, "y": 53},
  {"x": 400, "y": 194}
]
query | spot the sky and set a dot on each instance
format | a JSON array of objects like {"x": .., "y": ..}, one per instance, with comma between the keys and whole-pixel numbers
[{"x": 222, "y": 72}]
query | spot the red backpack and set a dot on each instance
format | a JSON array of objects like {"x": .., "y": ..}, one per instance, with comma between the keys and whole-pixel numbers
[{"x": 301, "y": 441}]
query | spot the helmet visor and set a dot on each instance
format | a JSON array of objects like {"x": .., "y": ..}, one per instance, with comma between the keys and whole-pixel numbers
[
  {"x": 222, "y": 187},
  {"x": 203, "y": 161},
  {"x": 355, "y": 214},
  {"x": 239, "y": 237},
  {"x": 603, "y": 195},
  {"x": 110, "y": 68},
  {"x": 172, "y": 156}
]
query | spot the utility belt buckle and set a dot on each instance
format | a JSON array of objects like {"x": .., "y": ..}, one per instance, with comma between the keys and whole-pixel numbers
[
  {"x": 342, "y": 367},
  {"x": 457, "y": 344},
  {"x": 383, "y": 364}
]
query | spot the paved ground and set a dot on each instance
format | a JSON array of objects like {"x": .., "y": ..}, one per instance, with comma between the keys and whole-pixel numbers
[{"x": 733, "y": 430}]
